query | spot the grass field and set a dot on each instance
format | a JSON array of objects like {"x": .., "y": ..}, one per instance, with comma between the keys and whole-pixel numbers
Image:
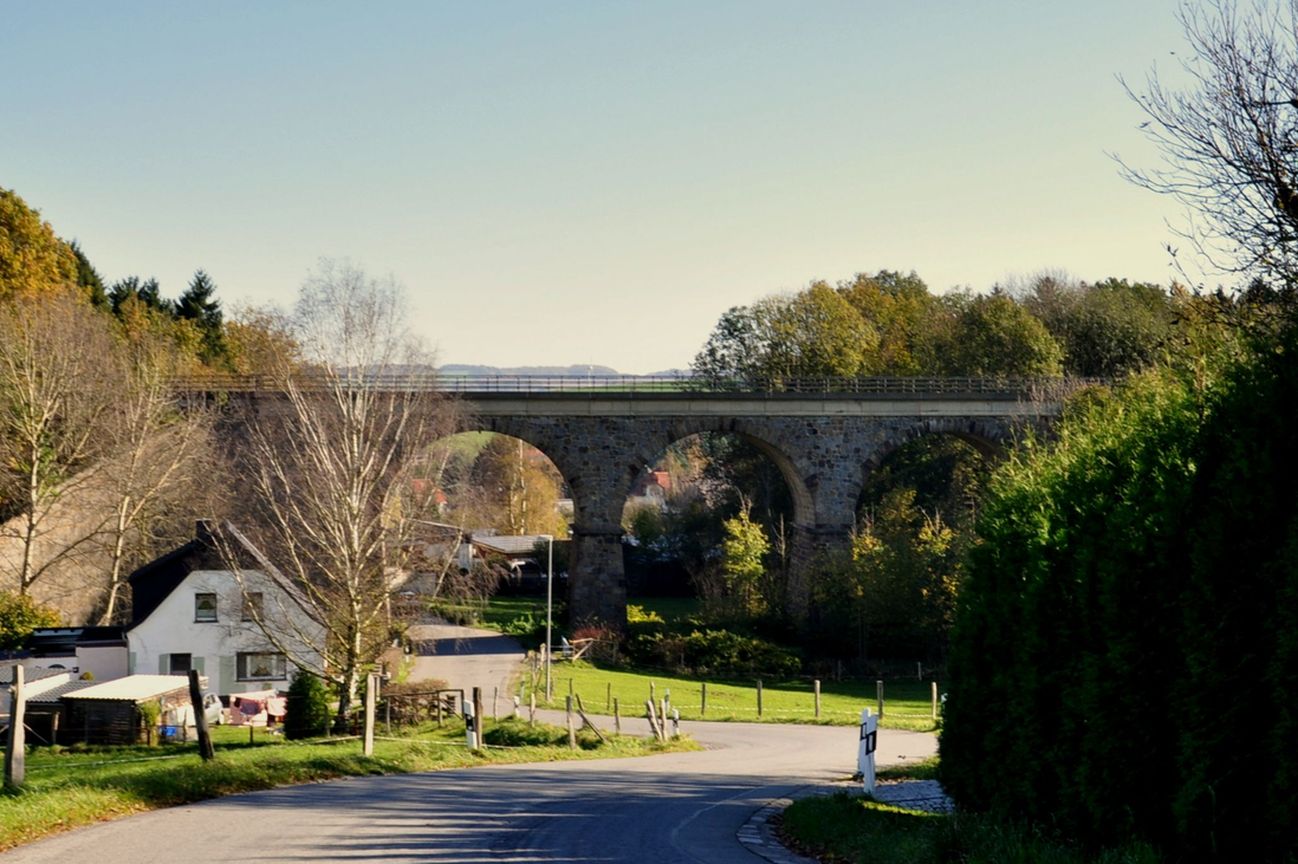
[
  {"x": 70, "y": 787},
  {"x": 849, "y": 828},
  {"x": 907, "y": 704}
]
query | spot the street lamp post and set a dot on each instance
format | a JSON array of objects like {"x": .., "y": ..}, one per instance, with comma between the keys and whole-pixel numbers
[{"x": 549, "y": 614}]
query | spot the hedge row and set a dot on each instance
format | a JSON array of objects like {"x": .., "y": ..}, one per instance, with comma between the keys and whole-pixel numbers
[{"x": 1125, "y": 659}]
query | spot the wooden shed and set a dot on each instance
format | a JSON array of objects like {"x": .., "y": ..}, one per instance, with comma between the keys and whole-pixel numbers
[{"x": 109, "y": 713}]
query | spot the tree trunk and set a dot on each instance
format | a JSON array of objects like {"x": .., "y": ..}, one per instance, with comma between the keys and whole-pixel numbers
[{"x": 115, "y": 569}]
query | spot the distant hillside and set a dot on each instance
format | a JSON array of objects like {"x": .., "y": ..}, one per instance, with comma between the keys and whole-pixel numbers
[{"x": 553, "y": 371}]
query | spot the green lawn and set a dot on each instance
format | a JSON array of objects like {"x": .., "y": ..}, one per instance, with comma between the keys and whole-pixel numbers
[
  {"x": 850, "y": 828},
  {"x": 75, "y": 786},
  {"x": 907, "y": 704}
]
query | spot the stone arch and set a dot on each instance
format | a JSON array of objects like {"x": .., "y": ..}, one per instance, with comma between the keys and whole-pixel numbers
[
  {"x": 761, "y": 438},
  {"x": 990, "y": 437},
  {"x": 531, "y": 435}
]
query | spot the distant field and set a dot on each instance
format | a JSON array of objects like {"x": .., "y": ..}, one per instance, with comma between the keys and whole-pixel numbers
[{"x": 907, "y": 704}]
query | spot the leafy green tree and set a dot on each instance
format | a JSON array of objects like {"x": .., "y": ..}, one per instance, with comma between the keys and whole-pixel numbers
[
  {"x": 33, "y": 261},
  {"x": 813, "y": 333},
  {"x": 895, "y": 597},
  {"x": 743, "y": 556},
  {"x": 910, "y": 321},
  {"x": 734, "y": 349},
  {"x": 260, "y": 340},
  {"x": 1108, "y": 329},
  {"x": 199, "y": 306},
  {"x": 994, "y": 336},
  {"x": 817, "y": 332},
  {"x": 19, "y": 616},
  {"x": 520, "y": 489},
  {"x": 89, "y": 279},
  {"x": 145, "y": 291}
]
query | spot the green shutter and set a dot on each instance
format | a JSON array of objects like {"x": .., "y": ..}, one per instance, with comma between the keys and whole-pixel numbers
[
  {"x": 130, "y": 663},
  {"x": 197, "y": 663},
  {"x": 164, "y": 664},
  {"x": 227, "y": 676}
]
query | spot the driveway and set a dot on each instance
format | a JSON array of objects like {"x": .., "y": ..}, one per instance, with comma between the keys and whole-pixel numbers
[{"x": 465, "y": 657}]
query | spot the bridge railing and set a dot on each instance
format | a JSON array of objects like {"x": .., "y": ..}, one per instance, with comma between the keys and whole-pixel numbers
[{"x": 1033, "y": 388}]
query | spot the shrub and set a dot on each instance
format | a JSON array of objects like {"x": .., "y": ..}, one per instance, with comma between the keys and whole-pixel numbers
[
  {"x": 307, "y": 707},
  {"x": 516, "y": 733},
  {"x": 714, "y": 652},
  {"x": 607, "y": 643},
  {"x": 1126, "y": 634},
  {"x": 19, "y": 616}
]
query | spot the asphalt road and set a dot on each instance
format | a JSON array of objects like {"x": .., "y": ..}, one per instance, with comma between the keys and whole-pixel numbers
[{"x": 683, "y": 807}]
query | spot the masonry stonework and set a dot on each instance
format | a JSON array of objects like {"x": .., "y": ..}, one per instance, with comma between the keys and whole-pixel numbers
[{"x": 824, "y": 460}]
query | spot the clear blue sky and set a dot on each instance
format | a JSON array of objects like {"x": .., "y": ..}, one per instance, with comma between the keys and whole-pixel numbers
[{"x": 588, "y": 182}]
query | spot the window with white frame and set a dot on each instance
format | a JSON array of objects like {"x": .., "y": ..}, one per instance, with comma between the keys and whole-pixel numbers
[
  {"x": 260, "y": 666},
  {"x": 204, "y": 607}
]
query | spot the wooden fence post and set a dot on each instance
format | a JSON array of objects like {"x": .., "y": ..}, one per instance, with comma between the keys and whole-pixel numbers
[
  {"x": 205, "y": 748},
  {"x": 479, "y": 717},
  {"x": 15, "y": 750},
  {"x": 531, "y": 710},
  {"x": 572, "y": 732},
  {"x": 933, "y": 694},
  {"x": 703, "y": 700},
  {"x": 608, "y": 695},
  {"x": 617, "y": 717},
  {"x": 878, "y": 693},
  {"x": 495, "y": 696},
  {"x": 815, "y": 685},
  {"x": 759, "y": 697},
  {"x": 653, "y": 719}
]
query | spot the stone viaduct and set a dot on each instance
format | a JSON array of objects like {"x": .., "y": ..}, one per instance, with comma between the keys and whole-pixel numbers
[{"x": 824, "y": 444}]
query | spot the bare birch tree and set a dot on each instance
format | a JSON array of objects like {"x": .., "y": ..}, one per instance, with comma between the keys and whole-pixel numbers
[
  {"x": 331, "y": 465},
  {"x": 158, "y": 452},
  {"x": 60, "y": 371}
]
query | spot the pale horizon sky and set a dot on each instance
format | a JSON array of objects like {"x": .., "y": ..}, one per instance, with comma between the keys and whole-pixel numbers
[{"x": 579, "y": 182}]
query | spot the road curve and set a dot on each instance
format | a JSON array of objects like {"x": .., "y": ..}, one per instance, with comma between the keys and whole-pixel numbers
[{"x": 682, "y": 807}]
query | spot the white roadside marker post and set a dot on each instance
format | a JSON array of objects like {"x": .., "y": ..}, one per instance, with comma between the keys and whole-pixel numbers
[{"x": 865, "y": 750}]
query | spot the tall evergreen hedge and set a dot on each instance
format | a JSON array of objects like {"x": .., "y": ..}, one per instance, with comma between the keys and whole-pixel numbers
[
  {"x": 307, "y": 707},
  {"x": 1125, "y": 658}
]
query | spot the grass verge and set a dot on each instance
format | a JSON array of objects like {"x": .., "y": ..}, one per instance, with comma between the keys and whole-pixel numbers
[
  {"x": 70, "y": 787},
  {"x": 907, "y": 705},
  {"x": 849, "y": 828}
]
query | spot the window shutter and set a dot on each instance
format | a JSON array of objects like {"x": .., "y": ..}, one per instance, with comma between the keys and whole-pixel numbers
[
  {"x": 164, "y": 664},
  {"x": 198, "y": 663},
  {"x": 227, "y": 675}
]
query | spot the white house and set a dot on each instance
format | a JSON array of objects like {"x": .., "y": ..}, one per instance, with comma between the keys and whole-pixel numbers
[{"x": 191, "y": 610}]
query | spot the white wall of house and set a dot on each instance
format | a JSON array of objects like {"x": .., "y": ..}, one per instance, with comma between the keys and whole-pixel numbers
[{"x": 235, "y": 654}]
